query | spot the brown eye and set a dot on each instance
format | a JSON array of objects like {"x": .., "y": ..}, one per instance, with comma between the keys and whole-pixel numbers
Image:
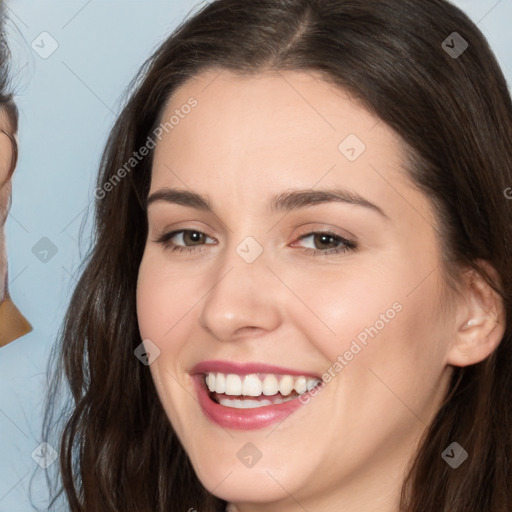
[
  {"x": 328, "y": 243},
  {"x": 183, "y": 240},
  {"x": 194, "y": 237},
  {"x": 323, "y": 240}
]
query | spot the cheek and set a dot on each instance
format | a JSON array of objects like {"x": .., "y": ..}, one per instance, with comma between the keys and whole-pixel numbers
[
  {"x": 164, "y": 298},
  {"x": 149, "y": 299},
  {"x": 394, "y": 354},
  {"x": 374, "y": 316},
  {"x": 355, "y": 301},
  {"x": 162, "y": 305}
]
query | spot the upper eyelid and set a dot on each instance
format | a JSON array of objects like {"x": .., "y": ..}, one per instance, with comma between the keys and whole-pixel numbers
[
  {"x": 348, "y": 242},
  {"x": 174, "y": 232},
  {"x": 346, "y": 235}
]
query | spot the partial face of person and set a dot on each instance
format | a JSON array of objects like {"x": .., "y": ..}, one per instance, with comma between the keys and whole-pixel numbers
[
  {"x": 266, "y": 285},
  {"x": 5, "y": 164},
  {"x": 5, "y": 192}
]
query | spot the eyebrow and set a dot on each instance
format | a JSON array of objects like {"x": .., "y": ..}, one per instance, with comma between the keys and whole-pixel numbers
[{"x": 284, "y": 202}]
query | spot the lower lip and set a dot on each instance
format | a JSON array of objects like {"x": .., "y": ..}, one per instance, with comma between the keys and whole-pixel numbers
[{"x": 242, "y": 419}]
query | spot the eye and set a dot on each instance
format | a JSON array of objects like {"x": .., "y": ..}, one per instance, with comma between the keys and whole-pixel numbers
[
  {"x": 184, "y": 240},
  {"x": 329, "y": 243},
  {"x": 188, "y": 240}
]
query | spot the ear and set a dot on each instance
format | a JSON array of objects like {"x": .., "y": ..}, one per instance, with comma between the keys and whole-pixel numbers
[{"x": 480, "y": 319}]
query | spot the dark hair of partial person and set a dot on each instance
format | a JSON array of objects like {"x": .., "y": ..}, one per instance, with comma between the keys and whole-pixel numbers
[
  {"x": 6, "y": 95},
  {"x": 117, "y": 448}
]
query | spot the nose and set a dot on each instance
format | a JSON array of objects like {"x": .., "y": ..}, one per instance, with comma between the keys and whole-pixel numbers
[{"x": 244, "y": 300}]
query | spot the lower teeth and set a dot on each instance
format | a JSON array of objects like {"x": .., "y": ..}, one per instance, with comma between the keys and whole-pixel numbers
[{"x": 252, "y": 404}]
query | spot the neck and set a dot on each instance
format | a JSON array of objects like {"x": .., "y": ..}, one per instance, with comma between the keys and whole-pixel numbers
[{"x": 13, "y": 324}]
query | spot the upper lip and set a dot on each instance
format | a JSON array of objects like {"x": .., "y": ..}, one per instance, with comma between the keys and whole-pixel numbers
[{"x": 239, "y": 368}]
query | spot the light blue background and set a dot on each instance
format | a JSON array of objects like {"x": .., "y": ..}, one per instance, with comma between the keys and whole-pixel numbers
[{"x": 67, "y": 104}]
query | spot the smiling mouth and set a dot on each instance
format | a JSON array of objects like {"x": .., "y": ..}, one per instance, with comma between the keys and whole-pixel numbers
[{"x": 256, "y": 390}]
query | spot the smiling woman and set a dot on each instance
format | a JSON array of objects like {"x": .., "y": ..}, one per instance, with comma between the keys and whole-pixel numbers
[{"x": 217, "y": 346}]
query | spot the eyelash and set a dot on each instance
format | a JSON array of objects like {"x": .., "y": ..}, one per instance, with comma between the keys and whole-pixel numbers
[{"x": 348, "y": 244}]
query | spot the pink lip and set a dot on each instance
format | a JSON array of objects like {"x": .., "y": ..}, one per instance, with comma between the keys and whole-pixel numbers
[
  {"x": 242, "y": 419},
  {"x": 246, "y": 369}
]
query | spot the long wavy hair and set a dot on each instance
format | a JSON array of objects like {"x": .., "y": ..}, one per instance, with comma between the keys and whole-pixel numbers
[{"x": 117, "y": 449}]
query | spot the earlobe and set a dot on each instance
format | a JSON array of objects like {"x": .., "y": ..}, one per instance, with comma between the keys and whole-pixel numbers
[{"x": 481, "y": 320}]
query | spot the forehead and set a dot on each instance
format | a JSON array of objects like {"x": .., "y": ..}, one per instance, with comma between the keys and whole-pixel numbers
[
  {"x": 271, "y": 108},
  {"x": 249, "y": 135}
]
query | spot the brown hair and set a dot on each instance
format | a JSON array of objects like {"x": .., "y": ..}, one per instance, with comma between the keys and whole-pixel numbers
[{"x": 118, "y": 450}]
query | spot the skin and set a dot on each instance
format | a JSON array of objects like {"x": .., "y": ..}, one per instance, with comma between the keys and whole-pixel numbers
[
  {"x": 5, "y": 194},
  {"x": 251, "y": 138}
]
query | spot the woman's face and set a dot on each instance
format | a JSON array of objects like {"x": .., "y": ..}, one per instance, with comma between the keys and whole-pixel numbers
[{"x": 253, "y": 278}]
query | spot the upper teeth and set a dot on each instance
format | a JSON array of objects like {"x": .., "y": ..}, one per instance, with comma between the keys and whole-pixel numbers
[{"x": 253, "y": 385}]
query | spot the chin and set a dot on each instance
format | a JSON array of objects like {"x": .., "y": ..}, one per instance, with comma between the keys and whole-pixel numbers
[{"x": 243, "y": 485}]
